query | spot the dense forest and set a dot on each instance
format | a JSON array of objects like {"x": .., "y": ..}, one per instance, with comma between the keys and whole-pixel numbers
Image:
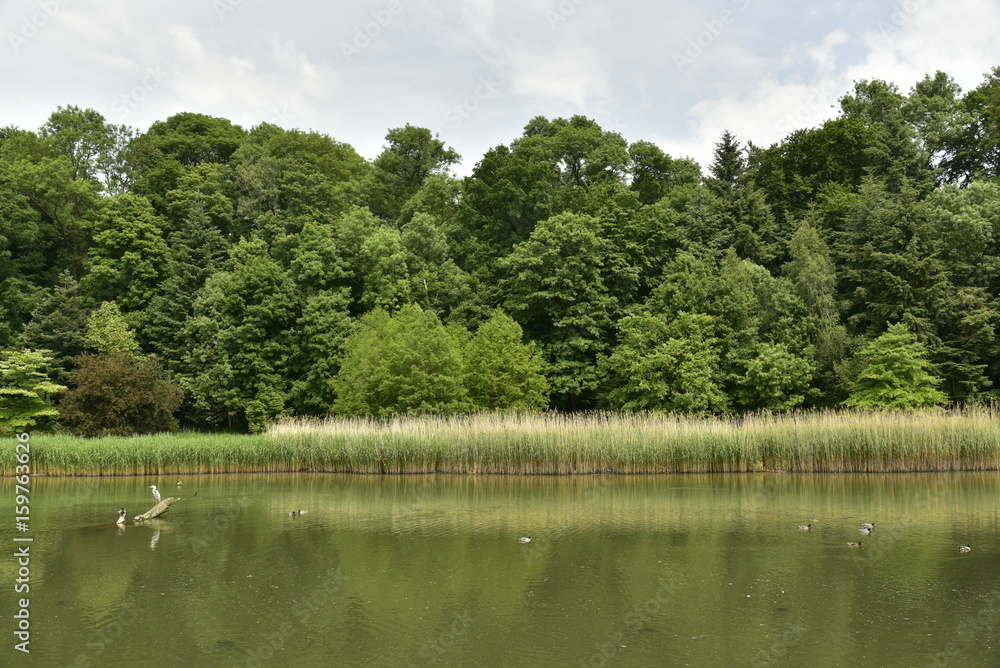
[{"x": 214, "y": 276}]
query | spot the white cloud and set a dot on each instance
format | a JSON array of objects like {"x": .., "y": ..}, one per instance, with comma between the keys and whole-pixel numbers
[
  {"x": 567, "y": 75},
  {"x": 774, "y": 67},
  {"x": 961, "y": 38}
]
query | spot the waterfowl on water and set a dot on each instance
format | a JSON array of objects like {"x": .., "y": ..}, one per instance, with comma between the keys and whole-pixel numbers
[
  {"x": 525, "y": 539},
  {"x": 866, "y": 530},
  {"x": 295, "y": 513},
  {"x": 964, "y": 548},
  {"x": 868, "y": 525},
  {"x": 858, "y": 544},
  {"x": 805, "y": 527},
  {"x": 180, "y": 483},
  {"x": 121, "y": 516}
]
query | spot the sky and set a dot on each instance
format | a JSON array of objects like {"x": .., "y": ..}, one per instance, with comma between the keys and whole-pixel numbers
[{"x": 475, "y": 72}]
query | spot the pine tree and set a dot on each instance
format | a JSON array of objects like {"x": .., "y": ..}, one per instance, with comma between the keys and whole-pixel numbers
[{"x": 895, "y": 374}]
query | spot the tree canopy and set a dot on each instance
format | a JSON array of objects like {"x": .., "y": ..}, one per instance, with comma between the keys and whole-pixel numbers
[{"x": 264, "y": 272}]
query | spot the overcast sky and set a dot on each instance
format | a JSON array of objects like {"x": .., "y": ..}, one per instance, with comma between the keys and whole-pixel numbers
[{"x": 476, "y": 71}]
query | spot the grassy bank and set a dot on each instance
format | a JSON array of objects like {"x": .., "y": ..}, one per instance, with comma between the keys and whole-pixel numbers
[{"x": 551, "y": 444}]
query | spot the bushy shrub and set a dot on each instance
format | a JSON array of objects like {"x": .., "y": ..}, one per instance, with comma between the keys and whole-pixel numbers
[{"x": 115, "y": 394}]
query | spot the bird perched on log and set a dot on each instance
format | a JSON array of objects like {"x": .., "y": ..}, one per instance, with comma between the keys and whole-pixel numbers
[{"x": 156, "y": 494}]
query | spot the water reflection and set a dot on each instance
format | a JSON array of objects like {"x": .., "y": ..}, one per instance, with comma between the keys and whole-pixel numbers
[{"x": 429, "y": 570}]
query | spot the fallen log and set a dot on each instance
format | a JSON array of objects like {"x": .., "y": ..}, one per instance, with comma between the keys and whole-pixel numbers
[{"x": 158, "y": 509}]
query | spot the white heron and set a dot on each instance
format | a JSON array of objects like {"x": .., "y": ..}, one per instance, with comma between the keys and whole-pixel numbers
[{"x": 156, "y": 493}]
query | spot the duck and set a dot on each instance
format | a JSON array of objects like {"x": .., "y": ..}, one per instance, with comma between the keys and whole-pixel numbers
[
  {"x": 867, "y": 525},
  {"x": 525, "y": 539},
  {"x": 295, "y": 513},
  {"x": 180, "y": 483},
  {"x": 964, "y": 548},
  {"x": 865, "y": 530},
  {"x": 858, "y": 544},
  {"x": 121, "y": 516},
  {"x": 805, "y": 527}
]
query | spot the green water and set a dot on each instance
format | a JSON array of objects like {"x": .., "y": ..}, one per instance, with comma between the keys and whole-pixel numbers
[{"x": 428, "y": 570}]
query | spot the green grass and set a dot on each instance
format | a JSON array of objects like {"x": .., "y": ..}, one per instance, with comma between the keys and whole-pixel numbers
[{"x": 850, "y": 441}]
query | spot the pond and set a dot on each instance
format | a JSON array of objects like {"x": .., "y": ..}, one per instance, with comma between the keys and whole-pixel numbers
[{"x": 681, "y": 570}]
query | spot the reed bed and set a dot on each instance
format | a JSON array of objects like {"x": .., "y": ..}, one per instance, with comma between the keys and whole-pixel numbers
[{"x": 842, "y": 441}]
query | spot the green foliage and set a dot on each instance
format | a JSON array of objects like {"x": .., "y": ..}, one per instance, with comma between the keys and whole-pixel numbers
[
  {"x": 59, "y": 324},
  {"x": 264, "y": 409},
  {"x": 663, "y": 366},
  {"x": 775, "y": 379},
  {"x": 241, "y": 333},
  {"x": 728, "y": 166},
  {"x": 108, "y": 332},
  {"x": 413, "y": 155},
  {"x": 116, "y": 394},
  {"x": 26, "y": 392},
  {"x": 128, "y": 254},
  {"x": 322, "y": 328},
  {"x": 654, "y": 173},
  {"x": 501, "y": 371},
  {"x": 895, "y": 374},
  {"x": 556, "y": 287},
  {"x": 246, "y": 260},
  {"x": 404, "y": 364}
]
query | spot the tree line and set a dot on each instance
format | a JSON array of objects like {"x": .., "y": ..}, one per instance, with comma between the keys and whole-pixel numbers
[{"x": 207, "y": 275}]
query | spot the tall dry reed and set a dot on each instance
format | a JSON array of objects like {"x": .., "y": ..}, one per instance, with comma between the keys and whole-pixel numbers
[{"x": 823, "y": 441}]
